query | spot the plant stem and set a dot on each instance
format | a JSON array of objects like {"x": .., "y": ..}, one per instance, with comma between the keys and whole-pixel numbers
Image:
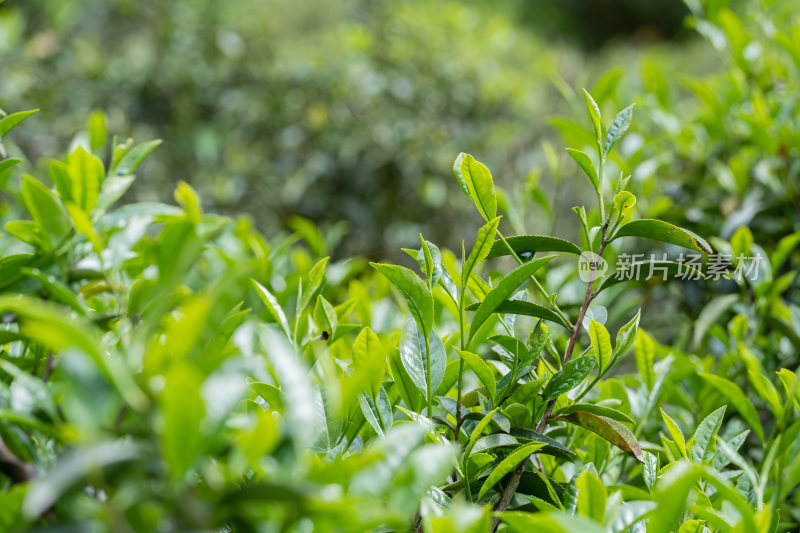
[
  {"x": 513, "y": 481},
  {"x": 457, "y": 435},
  {"x": 428, "y": 391}
]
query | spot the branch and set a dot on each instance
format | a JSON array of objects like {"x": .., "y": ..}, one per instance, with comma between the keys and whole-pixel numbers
[{"x": 12, "y": 466}]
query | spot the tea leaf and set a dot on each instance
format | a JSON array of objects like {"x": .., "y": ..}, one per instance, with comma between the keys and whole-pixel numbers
[
  {"x": 481, "y": 370},
  {"x": 416, "y": 293},
  {"x": 572, "y": 375},
  {"x": 734, "y": 394},
  {"x": 609, "y": 429},
  {"x": 527, "y": 245},
  {"x": 9, "y": 122},
  {"x": 507, "y": 286},
  {"x": 665, "y": 232},
  {"x": 601, "y": 344},
  {"x": 702, "y": 442},
  {"x": 586, "y": 163},
  {"x": 480, "y": 250},
  {"x": 675, "y": 433},
  {"x": 476, "y": 182},
  {"x": 507, "y": 465},
  {"x": 621, "y": 123},
  {"x": 412, "y": 353}
]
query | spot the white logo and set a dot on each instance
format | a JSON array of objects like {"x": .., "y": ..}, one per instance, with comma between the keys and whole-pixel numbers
[{"x": 591, "y": 266}]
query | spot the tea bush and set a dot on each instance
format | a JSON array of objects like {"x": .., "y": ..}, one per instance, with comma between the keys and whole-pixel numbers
[{"x": 167, "y": 369}]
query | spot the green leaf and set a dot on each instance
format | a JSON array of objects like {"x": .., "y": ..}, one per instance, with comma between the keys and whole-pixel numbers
[
  {"x": 27, "y": 231},
  {"x": 112, "y": 190},
  {"x": 665, "y": 232},
  {"x": 45, "y": 209},
  {"x": 507, "y": 286},
  {"x": 133, "y": 158},
  {"x": 377, "y": 411},
  {"x": 325, "y": 316},
  {"x": 478, "y": 431},
  {"x": 703, "y": 440},
  {"x": 601, "y": 344},
  {"x": 97, "y": 130},
  {"x": 6, "y": 164},
  {"x": 56, "y": 290},
  {"x": 621, "y": 123},
  {"x": 649, "y": 469},
  {"x": 271, "y": 394},
  {"x": 645, "y": 352},
  {"x": 412, "y": 354},
  {"x": 596, "y": 409},
  {"x": 607, "y": 428},
  {"x": 624, "y": 200},
  {"x": 416, "y": 293},
  {"x": 675, "y": 433},
  {"x": 586, "y": 163},
  {"x": 9, "y": 122},
  {"x": 527, "y": 245},
  {"x": 273, "y": 307},
  {"x": 86, "y": 174},
  {"x": 521, "y": 307},
  {"x": 710, "y": 314},
  {"x": 734, "y": 394},
  {"x": 369, "y": 360},
  {"x": 481, "y": 369},
  {"x": 480, "y": 250},
  {"x": 572, "y": 375},
  {"x": 626, "y": 335},
  {"x": 183, "y": 408},
  {"x": 315, "y": 278},
  {"x": 549, "y": 522},
  {"x": 83, "y": 225},
  {"x": 476, "y": 182},
  {"x": 551, "y": 446},
  {"x": 594, "y": 114},
  {"x": 507, "y": 465},
  {"x": 592, "y": 495},
  {"x": 790, "y": 381}
]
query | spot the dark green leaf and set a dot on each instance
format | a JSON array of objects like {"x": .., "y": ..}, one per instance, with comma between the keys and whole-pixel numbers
[
  {"x": 621, "y": 123},
  {"x": 665, "y": 232},
  {"x": 596, "y": 409},
  {"x": 508, "y": 464},
  {"x": 527, "y": 245},
  {"x": 507, "y": 286},
  {"x": 572, "y": 375},
  {"x": 521, "y": 307}
]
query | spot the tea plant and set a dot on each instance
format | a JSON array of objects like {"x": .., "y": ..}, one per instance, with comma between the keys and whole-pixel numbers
[{"x": 168, "y": 369}]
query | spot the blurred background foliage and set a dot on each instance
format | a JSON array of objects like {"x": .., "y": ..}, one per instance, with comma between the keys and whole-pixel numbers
[{"x": 336, "y": 111}]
